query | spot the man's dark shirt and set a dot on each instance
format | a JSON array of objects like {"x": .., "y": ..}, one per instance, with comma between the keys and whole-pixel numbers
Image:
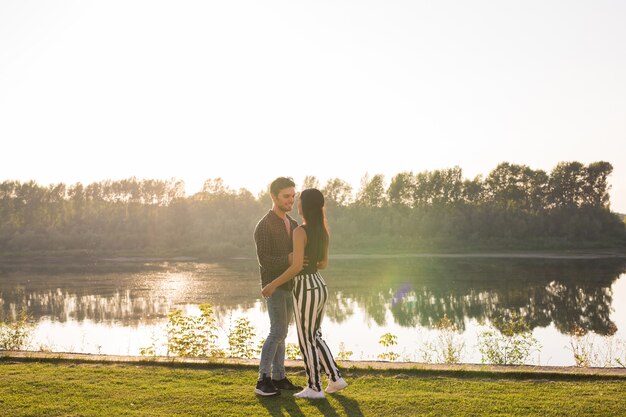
[{"x": 273, "y": 246}]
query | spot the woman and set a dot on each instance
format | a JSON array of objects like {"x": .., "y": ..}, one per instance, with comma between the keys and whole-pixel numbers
[{"x": 309, "y": 294}]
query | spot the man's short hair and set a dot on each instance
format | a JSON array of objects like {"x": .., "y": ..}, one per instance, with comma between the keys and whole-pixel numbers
[{"x": 281, "y": 183}]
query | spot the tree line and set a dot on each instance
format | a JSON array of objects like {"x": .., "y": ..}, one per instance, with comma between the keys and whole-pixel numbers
[{"x": 513, "y": 206}]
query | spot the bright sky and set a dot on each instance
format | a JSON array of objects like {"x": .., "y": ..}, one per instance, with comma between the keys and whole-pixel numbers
[{"x": 249, "y": 90}]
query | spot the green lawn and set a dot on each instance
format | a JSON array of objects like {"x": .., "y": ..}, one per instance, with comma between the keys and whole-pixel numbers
[{"x": 90, "y": 389}]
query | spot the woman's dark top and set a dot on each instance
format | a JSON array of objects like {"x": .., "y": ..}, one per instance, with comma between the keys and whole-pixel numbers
[{"x": 310, "y": 252}]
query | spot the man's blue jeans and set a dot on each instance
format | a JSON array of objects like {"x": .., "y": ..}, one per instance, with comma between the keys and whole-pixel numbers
[{"x": 280, "y": 310}]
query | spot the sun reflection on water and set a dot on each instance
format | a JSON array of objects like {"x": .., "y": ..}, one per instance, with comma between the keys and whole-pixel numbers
[{"x": 175, "y": 284}]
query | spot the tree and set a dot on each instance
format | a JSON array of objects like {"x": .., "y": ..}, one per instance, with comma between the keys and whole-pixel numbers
[
  {"x": 438, "y": 188},
  {"x": 566, "y": 185},
  {"x": 310, "y": 182},
  {"x": 421, "y": 189},
  {"x": 538, "y": 190},
  {"x": 400, "y": 191},
  {"x": 337, "y": 191},
  {"x": 215, "y": 187},
  {"x": 473, "y": 191},
  {"x": 506, "y": 185},
  {"x": 596, "y": 188},
  {"x": 513, "y": 186},
  {"x": 450, "y": 187},
  {"x": 372, "y": 192}
]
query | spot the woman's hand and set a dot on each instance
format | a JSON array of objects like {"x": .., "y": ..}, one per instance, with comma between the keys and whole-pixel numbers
[{"x": 268, "y": 290}]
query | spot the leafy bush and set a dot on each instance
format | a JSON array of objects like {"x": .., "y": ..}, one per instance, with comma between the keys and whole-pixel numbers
[
  {"x": 582, "y": 346},
  {"x": 293, "y": 351},
  {"x": 241, "y": 339},
  {"x": 388, "y": 340},
  {"x": 15, "y": 335},
  {"x": 507, "y": 342},
  {"x": 448, "y": 345},
  {"x": 343, "y": 354},
  {"x": 193, "y": 335}
]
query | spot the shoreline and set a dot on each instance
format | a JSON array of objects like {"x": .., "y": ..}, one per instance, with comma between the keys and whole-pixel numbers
[
  {"x": 503, "y": 370},
  {"x": 114, "y": 258}
]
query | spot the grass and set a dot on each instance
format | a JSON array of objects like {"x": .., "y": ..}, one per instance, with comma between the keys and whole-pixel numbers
[{"x": 92, "y": 389}]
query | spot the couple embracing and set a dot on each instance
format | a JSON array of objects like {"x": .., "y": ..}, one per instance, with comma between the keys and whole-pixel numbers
[{"x": 289, "y": 258}]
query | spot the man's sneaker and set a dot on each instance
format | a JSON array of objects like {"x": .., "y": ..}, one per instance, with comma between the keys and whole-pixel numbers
[
  {"x": 334, "y": 386},
  {"x": 265, "y": 387},
  {"x": 285, "y": 384},
  {"x": 310, "y": 394}
]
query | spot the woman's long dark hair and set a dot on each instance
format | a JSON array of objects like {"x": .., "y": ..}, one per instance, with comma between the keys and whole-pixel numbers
[{"x": 312, "y": 202}]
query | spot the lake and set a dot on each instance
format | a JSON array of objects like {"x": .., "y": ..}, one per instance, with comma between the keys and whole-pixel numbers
[{"x": 118, "y": 307}]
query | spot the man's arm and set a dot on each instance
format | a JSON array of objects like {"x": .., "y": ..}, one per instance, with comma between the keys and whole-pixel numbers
[
  {"x": 299, "y": 242},
  {"x": 262, "y": 239}
]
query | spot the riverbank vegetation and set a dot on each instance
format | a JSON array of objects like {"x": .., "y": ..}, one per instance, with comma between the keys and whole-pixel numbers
[
  {"x": 513, "y": 207},
  {"x": 507, "y": 341},
  {"x": 74, "y": 388}
]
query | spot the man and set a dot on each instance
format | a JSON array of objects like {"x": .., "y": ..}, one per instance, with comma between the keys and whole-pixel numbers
[{"x": 274, "y": 246}]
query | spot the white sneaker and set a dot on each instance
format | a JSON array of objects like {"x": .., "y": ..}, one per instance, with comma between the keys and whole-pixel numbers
[
  {"x": 310, "y": 393},
  {"x": 334, "y": 386}
]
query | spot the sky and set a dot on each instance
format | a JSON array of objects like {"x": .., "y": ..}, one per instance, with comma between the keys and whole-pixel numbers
[{"x": 251, "y": 90}]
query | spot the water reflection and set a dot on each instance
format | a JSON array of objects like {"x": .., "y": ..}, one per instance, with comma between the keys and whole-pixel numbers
[
  {"x": 415, "y": 291},
  {"x": 418, "y": 292}
]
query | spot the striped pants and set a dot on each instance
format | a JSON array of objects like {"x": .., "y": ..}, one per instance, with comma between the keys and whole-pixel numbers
[{"x": 309, "y": 298}]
